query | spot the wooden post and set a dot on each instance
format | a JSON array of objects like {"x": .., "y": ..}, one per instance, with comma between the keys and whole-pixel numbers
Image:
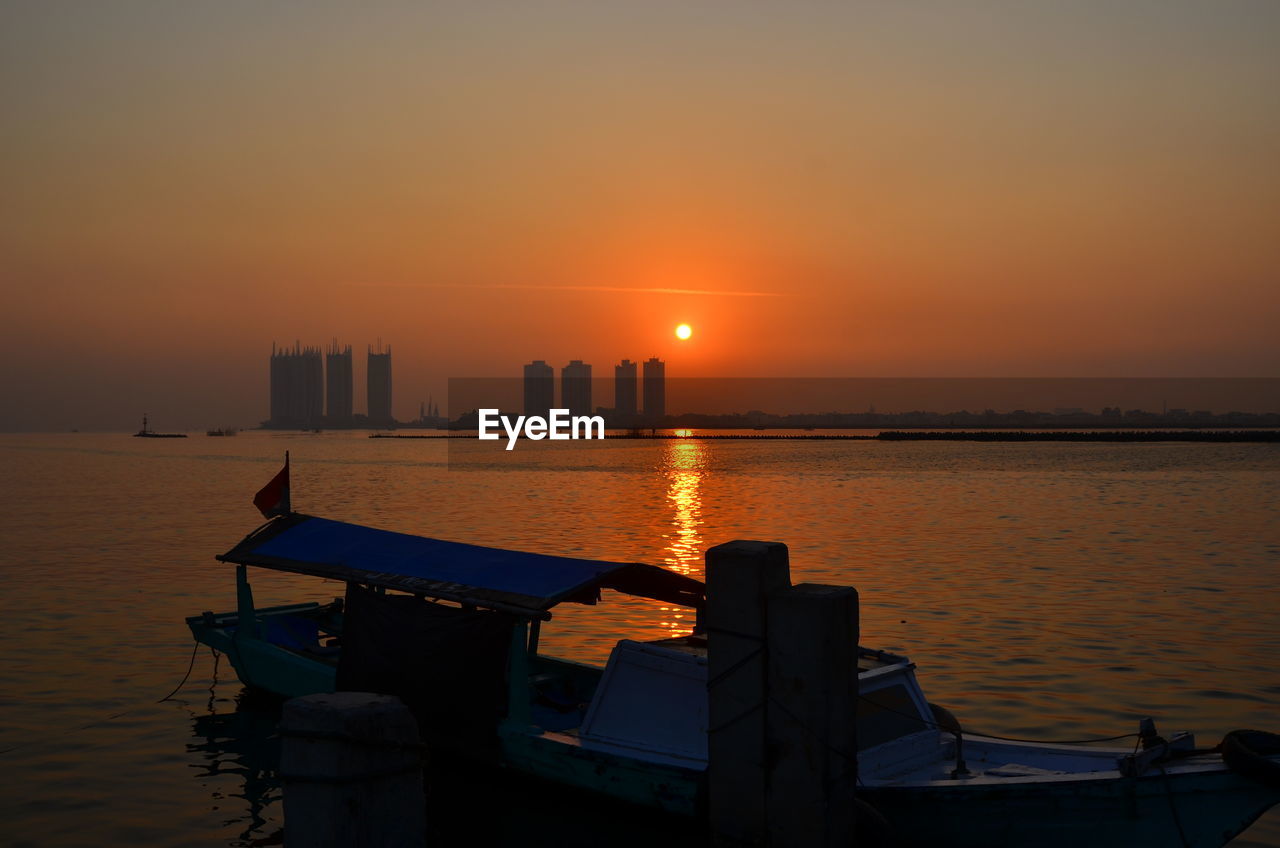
[
  {"x": 811, "y": 727},
  {"x": 740, "y": 577},
  {"x": 351, "y": 763}
]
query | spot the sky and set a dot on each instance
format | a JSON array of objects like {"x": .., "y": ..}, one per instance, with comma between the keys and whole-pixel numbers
[{"x": 871, "y": 189}]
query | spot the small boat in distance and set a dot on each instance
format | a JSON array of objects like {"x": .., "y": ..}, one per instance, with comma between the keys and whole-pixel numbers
[
  {"x": 144, "y": 433},
  {"x": 221, "y": 431},
  {"x": 453, "y": 629}
]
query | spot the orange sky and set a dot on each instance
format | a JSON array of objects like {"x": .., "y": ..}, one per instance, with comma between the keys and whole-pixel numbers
[{"x": 1009, "y": 190}]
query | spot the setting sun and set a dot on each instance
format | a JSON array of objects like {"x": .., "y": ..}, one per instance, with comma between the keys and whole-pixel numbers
[{"x": 684, "y": 331}]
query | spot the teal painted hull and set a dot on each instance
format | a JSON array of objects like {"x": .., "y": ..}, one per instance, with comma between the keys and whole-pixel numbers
[
  {"x": 557, "y": 758},
  {"x": 260, "y": 663}
]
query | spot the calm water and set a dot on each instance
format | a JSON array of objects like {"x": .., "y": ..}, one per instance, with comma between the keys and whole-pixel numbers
[{"x": 1047, "y": 590}]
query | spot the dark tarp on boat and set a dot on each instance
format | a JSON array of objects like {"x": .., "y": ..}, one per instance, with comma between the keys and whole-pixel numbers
[
  {"x": 447, "y": 664},
  {"x": 517, "y": 582}
]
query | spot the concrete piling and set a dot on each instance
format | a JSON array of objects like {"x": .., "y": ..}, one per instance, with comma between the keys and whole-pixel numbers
[
  {"x": 741, "y": 576},
  {"x": 810, "y": 720},
  {"x": 351, "y": 764},
  {"x": 782, "y": 690}
]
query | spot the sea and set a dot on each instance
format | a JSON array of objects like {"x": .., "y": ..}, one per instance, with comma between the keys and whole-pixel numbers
[{"x": 1044, "y": 590}]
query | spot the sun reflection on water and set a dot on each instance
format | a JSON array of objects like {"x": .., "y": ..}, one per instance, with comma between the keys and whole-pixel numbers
[{"x": 683, "y": 463}]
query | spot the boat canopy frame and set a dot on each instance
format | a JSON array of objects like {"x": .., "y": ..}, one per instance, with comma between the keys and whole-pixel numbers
[{"x": 517, "y": 582}]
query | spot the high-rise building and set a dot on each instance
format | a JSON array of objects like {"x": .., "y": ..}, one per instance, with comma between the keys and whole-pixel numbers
[
  {"x": 539, "y": 388},
  {"x": 575, "y": 387},
  {"x": 280, "y": 379},
  {"x": 655, "y": 391},
  {"x": 338, "y": 385},
  {"x": 624, "y": 391},
  {"x": 378, "y": 383},
  {"x": 297, "y": 387}
]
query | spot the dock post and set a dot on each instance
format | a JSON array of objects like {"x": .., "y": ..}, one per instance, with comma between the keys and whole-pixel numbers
[
  {"x": 741, "y": 575},
  {"x": 811, "y": 727},
  {"x": 351, "y": 764}
]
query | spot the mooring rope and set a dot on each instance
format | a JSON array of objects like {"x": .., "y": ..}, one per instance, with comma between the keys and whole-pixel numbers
[
  {"x": 51, "y": 737},
  {"x": 970, "y": 732},
  {"x": 194, "y": 647}
]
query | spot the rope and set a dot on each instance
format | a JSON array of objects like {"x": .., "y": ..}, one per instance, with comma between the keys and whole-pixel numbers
[
  {"x": 937, "y": 726},
  {"x": 734, "y": 667},
  {"x": 51, "y": 737},
  {"x": 748, "y": 636},
  {"x": 1054, "y": 741},
  {"x": 194, "y": 647},
  {"x": 1173, "y": 808},
  {"x": 739, "y": 717},
  {"x": 715, "y": 681},
  {"x": 847, "y": 757}
]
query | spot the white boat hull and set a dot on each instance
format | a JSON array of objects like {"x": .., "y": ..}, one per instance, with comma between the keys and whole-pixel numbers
[
  {"x": 1204, "y": 811},
  {"x": 1196, "y": 802}
]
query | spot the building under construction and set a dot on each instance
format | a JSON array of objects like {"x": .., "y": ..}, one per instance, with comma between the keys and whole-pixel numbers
[
  {"x": 303, "y": 378},
  {"x": 378, "y": 377},
  {"x": 339, "y": 410},
  {"x": 297, "y": 387}
]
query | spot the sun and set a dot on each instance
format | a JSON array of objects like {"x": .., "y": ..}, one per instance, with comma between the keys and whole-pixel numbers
[{"x": 684, "y": 331}]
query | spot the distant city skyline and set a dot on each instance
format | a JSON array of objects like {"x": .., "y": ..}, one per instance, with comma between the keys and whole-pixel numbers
[
  {"x": 307, "y": 392},
  {"x": 929, "y": 189}
]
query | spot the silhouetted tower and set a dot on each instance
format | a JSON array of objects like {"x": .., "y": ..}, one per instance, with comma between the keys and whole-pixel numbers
[
  {"x": 313, "y": 387},
  {"x": 624, "y": 390},
  {"x": 338, "y": 385},
  {"x": 297, "y": 387},
  {"x": 280, "y": 385},
  {"x": 378, "y": 380},
  {"x": 655, "y": 391},
  {"x": 539, "y": 388},
  {"x": 575, "y": 387}
]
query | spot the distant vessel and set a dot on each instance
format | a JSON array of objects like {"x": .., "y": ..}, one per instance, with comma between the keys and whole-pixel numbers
[
  {"x": 222, "y": 431},
  {"x": 144, "y": 433}
]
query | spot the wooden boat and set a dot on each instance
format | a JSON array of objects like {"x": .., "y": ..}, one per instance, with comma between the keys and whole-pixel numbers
[{"x": 454, "y": 629}]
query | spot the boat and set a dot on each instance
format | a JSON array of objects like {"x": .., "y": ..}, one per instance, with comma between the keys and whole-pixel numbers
[
  {"x": 454, "y": 630},
  {"x": 145, "y": 433},
  {"x": 221, "y": 431}
]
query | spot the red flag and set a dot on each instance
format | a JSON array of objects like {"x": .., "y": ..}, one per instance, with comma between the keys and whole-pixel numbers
[{"x": 273, "y": 498}]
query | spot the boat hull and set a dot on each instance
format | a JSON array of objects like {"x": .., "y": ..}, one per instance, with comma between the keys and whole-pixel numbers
[
  {"x": 1205, "y": 807},
  {"x": 1198, "y": 810},
  {"x": 1198, "y": 803},
  {"x": 562, "y": 759},
  {"x": 261, "y": 663}
]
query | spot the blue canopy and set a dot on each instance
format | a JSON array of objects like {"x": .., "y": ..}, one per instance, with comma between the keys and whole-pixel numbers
[{"x": 517, "y": 581}]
